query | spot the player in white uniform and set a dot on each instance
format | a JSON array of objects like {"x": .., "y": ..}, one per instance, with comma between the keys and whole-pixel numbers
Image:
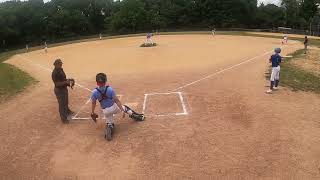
[
  {"x": 285, "y": 39},
  {"x": 275, "y": 61},
  {"x": 214, "y": 32},
  {"x": 149, "y": 39},
  {"x": 45, "y": 47}
]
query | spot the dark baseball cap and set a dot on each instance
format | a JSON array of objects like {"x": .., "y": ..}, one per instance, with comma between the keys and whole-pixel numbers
[{"x": 57, "y": 61}]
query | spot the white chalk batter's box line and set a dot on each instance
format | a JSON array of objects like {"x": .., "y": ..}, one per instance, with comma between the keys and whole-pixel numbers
[
  {"x": 183, "y": 105},
  {"x": 75, "y": 117}
]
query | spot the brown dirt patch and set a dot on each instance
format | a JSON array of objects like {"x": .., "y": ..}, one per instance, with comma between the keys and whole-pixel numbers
[{"x": 162, "y": 104}]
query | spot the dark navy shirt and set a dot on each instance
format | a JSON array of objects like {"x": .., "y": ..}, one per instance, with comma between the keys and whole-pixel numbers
[
  {"x": 58, "y": 75},
  {"x": 275, "y": 60}
]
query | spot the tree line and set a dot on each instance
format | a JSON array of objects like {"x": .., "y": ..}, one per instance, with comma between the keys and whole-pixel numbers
[{"x": 34, "y": 21}]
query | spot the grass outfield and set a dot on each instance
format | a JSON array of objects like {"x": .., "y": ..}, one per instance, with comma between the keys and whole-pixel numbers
[
  {"x": 298, "y": 78},
  {"x": 12, "y": 79}
]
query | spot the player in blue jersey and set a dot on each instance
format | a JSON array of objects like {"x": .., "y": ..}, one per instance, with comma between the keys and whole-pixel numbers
[
  {"x": 149, "y": 39},
  {"x": 110, "y": 105},
  {"x": 275, "y": 61}
]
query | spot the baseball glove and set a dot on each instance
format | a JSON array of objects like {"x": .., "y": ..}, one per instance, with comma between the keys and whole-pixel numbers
[
  {"x": 94, "y": 117},
  {"x": 72, "y": 83}
]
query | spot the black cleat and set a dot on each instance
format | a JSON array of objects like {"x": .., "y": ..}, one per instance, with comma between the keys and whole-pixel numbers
[
  {"x": 109, "y": 132},
  {"x": 137, "y": 117}
]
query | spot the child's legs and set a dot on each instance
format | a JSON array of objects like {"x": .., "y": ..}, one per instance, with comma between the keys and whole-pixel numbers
[
  {"x": 110, "y": 112},
  {"x": 273, "y": 74},
  {"x": 272, "y": 77},
  {"x": 277, "y": 73},
  {"x": 277, "y": 76},
  {"x": 149, "y": 41}
]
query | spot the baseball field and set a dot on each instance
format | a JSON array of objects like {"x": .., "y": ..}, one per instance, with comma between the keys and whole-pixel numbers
[{"x": 208, "y": 116}]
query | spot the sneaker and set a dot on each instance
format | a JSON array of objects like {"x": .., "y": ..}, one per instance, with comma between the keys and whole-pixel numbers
[
  {"x": 269, "y": 91},
  {"x": 69, "y": 118},
  {"x": 108, "y": 132},
  {"x": 275, "y": 88},
  {"x": 71, "y": 113},
  {"x": 137, "y": 117},
  {"x": 65, "y": 121}
]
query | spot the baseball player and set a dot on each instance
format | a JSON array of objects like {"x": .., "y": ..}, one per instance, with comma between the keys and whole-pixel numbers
[
  {"x": 285, "y": 39},
  {"x": 306, "y": 42},
  {"x": 27, "y": 47},
  {"x": 100, "y": 36},
  {"x": 275, "y": 61},
  {"x": 110, "y": 105},
  {"x": 149, "y": 40},
  {"x": 213, "y": 32},
  {"x": 45, "y": 47}
]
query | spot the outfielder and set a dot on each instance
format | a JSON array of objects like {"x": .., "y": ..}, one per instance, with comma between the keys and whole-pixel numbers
[
  {"x": 45, "y": 47},
  {"x": 306, "y": 42},
  {"x": 275, "y": 61},
  {"x": 110, "y": 105}
]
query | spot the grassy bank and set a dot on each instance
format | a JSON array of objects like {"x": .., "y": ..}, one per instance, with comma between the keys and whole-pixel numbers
[
  {"x": 12, "y": 79},
  {"x": 296, "y": 78}
]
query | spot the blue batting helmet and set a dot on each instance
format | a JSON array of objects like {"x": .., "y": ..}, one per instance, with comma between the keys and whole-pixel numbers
[{"x": 277, "y": 50}]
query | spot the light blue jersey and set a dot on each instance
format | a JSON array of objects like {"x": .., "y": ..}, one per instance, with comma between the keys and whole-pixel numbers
[{"x": 105, "y": 96}]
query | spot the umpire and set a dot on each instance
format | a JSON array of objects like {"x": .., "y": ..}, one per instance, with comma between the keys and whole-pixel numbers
[{"x": 61, "y": 83}]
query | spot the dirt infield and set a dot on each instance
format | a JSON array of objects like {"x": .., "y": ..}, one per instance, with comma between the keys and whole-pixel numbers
[{"x": 231, "y": 128}]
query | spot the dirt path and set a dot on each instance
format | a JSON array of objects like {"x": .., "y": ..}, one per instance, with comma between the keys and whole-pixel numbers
[{"x": 233, "y": 129}]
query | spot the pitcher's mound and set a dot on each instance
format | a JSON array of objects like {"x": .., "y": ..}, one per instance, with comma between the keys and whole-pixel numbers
[{"x": 148, "y": 44}]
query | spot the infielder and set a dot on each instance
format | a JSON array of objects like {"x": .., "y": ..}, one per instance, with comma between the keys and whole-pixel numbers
[
  {"x": 285, "y": 39},
  {"x": 275, "y": 61},
  {"x": 110, "y": 105},
  {"x": 214, "y": 32}
]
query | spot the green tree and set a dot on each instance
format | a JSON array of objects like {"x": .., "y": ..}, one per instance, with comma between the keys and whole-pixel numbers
[
  {"x": 292, "y": 10},
  {"x": 270, "y": 15},
  {"x": 309, "y": 9},
  {"x": 131, "y": 17}
]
